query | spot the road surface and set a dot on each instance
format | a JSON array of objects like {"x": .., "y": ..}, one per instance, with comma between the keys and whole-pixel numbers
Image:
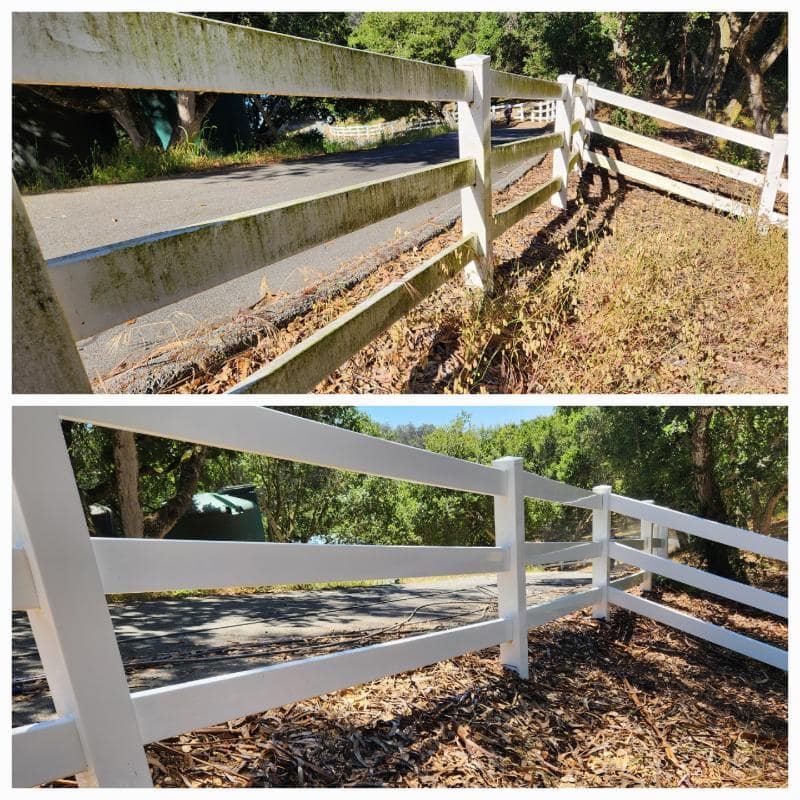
[
  {"x": 271, "y": 627},
  {"x": 79, "y": 219}
]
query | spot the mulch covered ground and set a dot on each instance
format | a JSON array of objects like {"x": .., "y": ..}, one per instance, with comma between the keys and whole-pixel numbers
[
  {"x": 621, "y": 703},
  {"x": 634, "y": 291}
]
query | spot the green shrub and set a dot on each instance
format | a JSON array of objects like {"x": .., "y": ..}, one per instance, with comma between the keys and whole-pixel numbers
[{"x": 633, "y": 121}]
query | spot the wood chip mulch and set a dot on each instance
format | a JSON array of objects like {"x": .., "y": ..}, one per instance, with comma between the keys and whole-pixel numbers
[{"x": 623, "y": 703}]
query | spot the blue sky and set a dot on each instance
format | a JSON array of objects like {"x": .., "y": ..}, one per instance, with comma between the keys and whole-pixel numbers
[{"x": 482, "y": 416}]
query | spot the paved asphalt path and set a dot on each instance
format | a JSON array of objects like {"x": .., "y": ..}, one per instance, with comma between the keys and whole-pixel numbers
[
  {"x": 79, "y": 219},
  {"x": 152, "y": 629}
]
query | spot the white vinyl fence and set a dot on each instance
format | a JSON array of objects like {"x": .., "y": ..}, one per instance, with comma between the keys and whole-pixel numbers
[
  {"x": 381, "y": 130},
  {"x": 60, "y": 577},
  {"x": 67, "y": 299}
]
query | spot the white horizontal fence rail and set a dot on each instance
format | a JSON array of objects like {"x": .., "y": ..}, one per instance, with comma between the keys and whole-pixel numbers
[
  {"x": 657, "y": 562},
  {"x": 171, "y": 710},
  {"x": 770, "y": 182},
  {"x": 46, "y": 751},
  {"x": 537, "y": 553},
  {"x": 760, "y": 651},
  {"x": 554, "y": 609},
  {"x": 61, "y": 582},
  {"x": 733, "y": 590},
  {"x": 273, "y": 433},
  {"x": 149, "y": 565},
  {"x": 766, "y": 546}
]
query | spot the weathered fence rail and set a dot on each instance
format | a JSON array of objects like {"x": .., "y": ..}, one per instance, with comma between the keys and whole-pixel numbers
[
  {"x": 82, "y": 294},
  {"x": 61, "y": 576}
]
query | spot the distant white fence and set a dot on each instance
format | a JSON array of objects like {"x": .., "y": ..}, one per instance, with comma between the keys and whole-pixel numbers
[
  {"x": 542, "y": 111},
  {"x": 61, "y": 576},
  {"x": 74, "y": 297},
  {"x": 381, "y": 130}
]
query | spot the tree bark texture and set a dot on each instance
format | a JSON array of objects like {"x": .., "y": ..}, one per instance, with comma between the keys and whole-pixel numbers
[
  {"x": 720, "y": 559},
  {"x": 126, "y": 463}
]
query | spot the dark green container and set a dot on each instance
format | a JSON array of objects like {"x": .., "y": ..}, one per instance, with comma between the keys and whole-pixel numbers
[{"x": 230, "y": 515}]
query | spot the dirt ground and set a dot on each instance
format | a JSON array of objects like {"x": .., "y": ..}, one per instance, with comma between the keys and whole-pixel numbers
[{"x": 632, "y": 291}]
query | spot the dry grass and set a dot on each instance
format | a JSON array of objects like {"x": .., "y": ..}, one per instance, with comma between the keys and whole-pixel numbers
[{"x": 633, "y": 291}]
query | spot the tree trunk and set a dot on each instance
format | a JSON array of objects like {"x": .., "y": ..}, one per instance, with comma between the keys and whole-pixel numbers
[
  {"x": 705, "y": 73},
  {"x": 684, "y": 48},
  {"x": 193, "y": 107},
  {"x": 621, "y": 46},
  {"x": 736, "y": 104},
  {"x": 723, "y": 57},
  {"x": 158, "y": 524},
  {"x": 755, "y": 78},
  {"x": 121, "y": 104},
  {"x": 763, "y": 514},
  {"x": 126, "y": 461},
  {"x": 720, "y": 559},
  {"x": 666, "y": 76}
]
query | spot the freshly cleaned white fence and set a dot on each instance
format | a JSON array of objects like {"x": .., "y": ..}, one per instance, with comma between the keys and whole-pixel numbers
[
  {"x": 67, "y": 299},
  {"x": 60, "y": 577}
]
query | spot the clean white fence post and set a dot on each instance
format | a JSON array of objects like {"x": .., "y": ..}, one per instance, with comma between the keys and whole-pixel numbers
[
  {"x": 580, "y": 113},
  {"x": 563, "y": 125},
  {"x": 766, "y": 206},
  {"x": 647, "y": 547},
  {"x": 509, "y": 533},
  {"x": 72, "y": 626},
  {"x": 475, "y": 141},
  {"x": 601, "y": 532}
]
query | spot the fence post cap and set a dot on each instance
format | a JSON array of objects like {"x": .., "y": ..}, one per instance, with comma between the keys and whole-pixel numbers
[
  {"x": 473, "y": 59},
  {"x": 603, "y": 488}
]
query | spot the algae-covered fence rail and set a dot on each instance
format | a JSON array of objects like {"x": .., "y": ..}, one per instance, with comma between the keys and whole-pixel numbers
[
  {"x": 61, "y": 581},
  {"x": 67, "y": 299}
]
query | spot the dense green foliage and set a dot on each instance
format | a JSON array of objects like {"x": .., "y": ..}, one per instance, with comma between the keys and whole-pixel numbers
[{"x": 645, "y": 452}]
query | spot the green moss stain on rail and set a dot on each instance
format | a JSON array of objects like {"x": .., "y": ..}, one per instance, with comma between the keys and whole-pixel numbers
[
  {"x": 177, "y": 51},
  {"x": 110, "y": 285}
]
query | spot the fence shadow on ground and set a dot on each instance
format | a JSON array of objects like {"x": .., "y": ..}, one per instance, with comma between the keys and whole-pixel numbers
[{"x": 584, "y": 224}]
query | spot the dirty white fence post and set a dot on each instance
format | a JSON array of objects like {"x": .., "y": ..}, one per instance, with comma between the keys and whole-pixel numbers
[
  {"x": 647, "y": 547},
  {"x": 563, "y": 125},
  {"x": 580, "y": 114},
  {"x": 45, "y": 358},
  {"x": 601, "y": 532},
  {"x": 72, "y": 626},
  {"x": 475, "y": 141},
  {"x": 509, "y": 533},
  {"x": 766, "y": 206},
  {"x": 662, "y": 533}
]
